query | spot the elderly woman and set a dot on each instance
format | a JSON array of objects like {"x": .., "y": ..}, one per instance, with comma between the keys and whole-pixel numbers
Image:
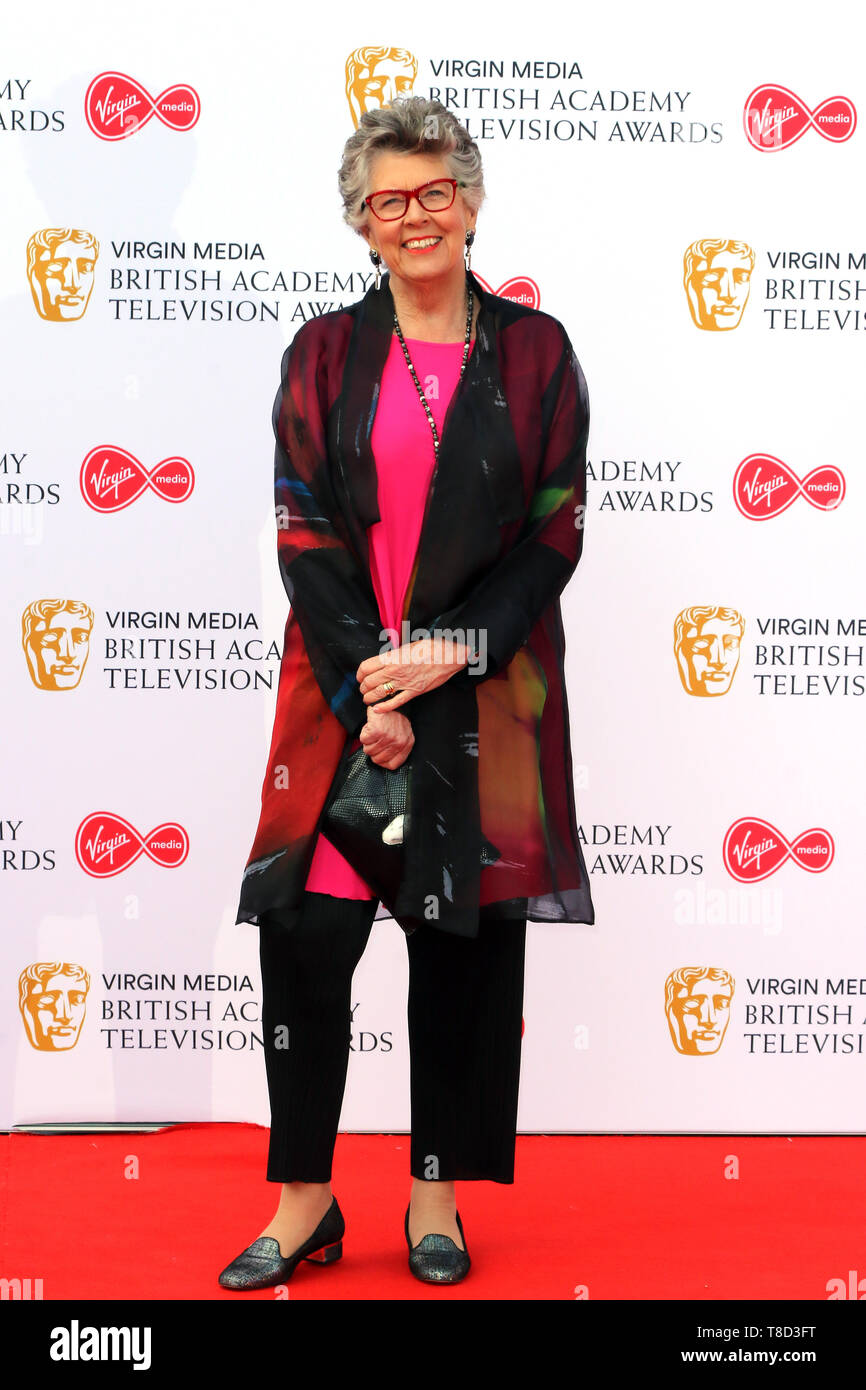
[{"x": 430, "y": 496}]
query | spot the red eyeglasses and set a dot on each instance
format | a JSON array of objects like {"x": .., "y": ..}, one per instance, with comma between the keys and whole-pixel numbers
[{"x": 389, "y": 204}]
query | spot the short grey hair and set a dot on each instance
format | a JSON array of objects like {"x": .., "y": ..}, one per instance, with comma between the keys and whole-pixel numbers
[{"x": 409, "y": 125}]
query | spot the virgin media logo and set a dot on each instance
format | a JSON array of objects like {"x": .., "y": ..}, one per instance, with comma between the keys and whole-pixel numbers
[
  {"x": 111, "y": 478},
  {"x": 774, "y": 117},
  {"x": 754, "y": 849},
  {"x": 116, "y": 106},
  {"x": 519, "y": 288},
  {"x": 107, "y": 844},
  {"x": 764, "y": 486}
]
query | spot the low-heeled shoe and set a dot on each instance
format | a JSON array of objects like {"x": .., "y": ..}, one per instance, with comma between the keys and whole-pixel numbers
[
  {"x": 262, "y": 1265},
  {"x": 438, "y": 1259}
]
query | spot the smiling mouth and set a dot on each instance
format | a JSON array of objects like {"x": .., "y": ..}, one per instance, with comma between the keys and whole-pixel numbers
[{"x": 422, "y": 243}]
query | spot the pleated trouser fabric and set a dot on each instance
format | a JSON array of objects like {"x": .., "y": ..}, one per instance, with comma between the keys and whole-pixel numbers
[{"x": 465, "y": 1007}]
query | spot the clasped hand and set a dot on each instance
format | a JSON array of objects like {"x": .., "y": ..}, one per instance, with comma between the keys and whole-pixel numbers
[{"x": 413, "y": 669}]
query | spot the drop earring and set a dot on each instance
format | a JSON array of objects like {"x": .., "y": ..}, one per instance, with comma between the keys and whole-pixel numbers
[
  {"x": 470, "y": 237},
  {"x": 377, "y": 261}
]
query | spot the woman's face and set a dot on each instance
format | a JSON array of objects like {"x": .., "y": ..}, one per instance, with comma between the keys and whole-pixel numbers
[{"x": 391, "y": 239}]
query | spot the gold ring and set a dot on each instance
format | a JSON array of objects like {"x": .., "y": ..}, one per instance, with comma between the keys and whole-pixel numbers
[{"x": 388, "y": 687}]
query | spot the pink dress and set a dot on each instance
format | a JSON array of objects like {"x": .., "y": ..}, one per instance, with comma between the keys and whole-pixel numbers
[{"x": 402, "y": 444}]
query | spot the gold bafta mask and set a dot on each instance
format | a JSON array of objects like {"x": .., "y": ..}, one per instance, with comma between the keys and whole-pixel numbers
[
  {"x": 52, "y": 997},
  {"x": 60, "y": 266},
  {"x": 375, "y": 76},
  {"x": 698, "y": 1007},
  {"x": 716, "y": 276},
  {"x": 56, "y": 639},
  {"x": 707, "y": 648}
]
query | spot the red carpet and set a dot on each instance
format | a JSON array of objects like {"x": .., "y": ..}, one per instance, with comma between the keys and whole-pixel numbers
[{"x": 629, "y": 1217}]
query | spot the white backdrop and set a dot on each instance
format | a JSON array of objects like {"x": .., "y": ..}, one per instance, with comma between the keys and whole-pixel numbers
[{"x": 639, "y": 151}]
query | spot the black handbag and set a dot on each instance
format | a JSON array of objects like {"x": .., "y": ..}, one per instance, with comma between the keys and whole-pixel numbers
[
  {"x": 362, "y": 819},
  {"x": 368, "y": 798},
  {"x": 367, "y": 816}
]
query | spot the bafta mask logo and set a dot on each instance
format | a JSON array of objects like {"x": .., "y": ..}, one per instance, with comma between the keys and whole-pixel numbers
[
  {"x": 707, "y": 648},
  {"x": 52, "y": 997},
  {"x": 56, "y": 640},
  {"x": 698, "y": 1006},
  {"x": 717, "y": 275},
  {"x": 375, "y": 76},
  {"x": 60, "y": 266}
]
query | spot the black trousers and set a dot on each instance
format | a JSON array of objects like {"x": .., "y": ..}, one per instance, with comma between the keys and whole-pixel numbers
[{"x": 465, "y": 1009}]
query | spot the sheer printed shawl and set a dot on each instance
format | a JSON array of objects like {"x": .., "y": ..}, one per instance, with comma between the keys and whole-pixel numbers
[{"x": 502, "y": 534}]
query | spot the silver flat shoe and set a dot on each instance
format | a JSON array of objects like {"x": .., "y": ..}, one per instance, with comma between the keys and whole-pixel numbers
[
  {"x": 262, "y": 1265},
  {"x": 438, "y": 1259}
]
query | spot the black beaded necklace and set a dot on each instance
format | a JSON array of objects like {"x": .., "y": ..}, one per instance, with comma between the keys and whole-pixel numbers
[{"x": 418, "y": 387}]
